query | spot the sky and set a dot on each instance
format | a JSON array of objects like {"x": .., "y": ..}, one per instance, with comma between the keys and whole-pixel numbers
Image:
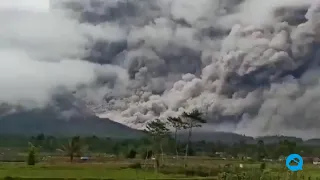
[
  {"x": 41, "y": 50},
  {"x": 30, "y": 5}
]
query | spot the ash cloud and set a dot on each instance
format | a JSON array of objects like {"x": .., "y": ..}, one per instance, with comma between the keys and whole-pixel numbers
[
  {"x": 249, "y": 65},
  {"x": 41, "y": 52}
]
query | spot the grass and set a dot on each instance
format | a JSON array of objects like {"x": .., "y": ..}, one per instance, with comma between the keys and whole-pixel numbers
[
  {"x": 73, "y": 171},
  {"x": 118, "y": 169}
]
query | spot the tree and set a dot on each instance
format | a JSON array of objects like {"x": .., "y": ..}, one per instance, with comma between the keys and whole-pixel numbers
[
  {"x": 31, "y": 155},
  {"x": 261, "y": 150},
  {"x": 192, "y": 119},
  {"x": 73, "y": 148},
  {"x": 158, "y": 131},
  {"x": 50, "y": 143},
  {"x": 116, "y": 149},
  {"x": 285, "y": 148},
  {"x": 177, "y": 124},
  {"x": 146, "y": 144},
  {"x": 291, "y": 146},
  {"x": 131, "y": 154},
  {"x": 40, "y": 140}
]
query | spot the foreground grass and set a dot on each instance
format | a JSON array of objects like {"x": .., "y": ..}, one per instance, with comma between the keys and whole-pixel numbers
[
  {"x": 118, "y": 169},
  {"x": 77, "y": 171}
]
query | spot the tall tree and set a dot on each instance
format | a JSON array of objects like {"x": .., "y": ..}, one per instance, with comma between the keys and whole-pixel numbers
[
  {"x": 50, "y": 143},
  {"x": 73, "y": 148},
  {"x": 177, "y": 124},
  {"x": 192, "y": 120},
  {"x": 39, "y": 140},
  {"x": 261, "y": 150},
  {"x": 158, "y": 130},
  {"x": 291, "y": 146}
]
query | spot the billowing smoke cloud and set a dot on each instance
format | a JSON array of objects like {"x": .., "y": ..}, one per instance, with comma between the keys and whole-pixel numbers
[
  {"x": 249, "y": 65},
  {"x": 41, "y": 51}
]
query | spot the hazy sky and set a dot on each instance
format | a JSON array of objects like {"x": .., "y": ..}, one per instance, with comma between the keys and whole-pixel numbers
[
  {"x": 32, "y": 5},
  {"x": 39, "y": 49}
]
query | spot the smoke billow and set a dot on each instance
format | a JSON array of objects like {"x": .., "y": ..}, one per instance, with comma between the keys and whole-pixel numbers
[
  {"x": 250, "y": 65},
  {"x": 41, "y": 52}
]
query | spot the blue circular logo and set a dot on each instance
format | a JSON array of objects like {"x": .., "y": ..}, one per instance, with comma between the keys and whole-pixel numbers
[{"x": 297, "y": 160}]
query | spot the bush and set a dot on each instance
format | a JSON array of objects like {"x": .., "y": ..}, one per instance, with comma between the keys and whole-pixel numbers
[
  {"x": 262, "y": 166},
  {"x": 31, "y": 156},
  {"x": 131, "y": 154}
]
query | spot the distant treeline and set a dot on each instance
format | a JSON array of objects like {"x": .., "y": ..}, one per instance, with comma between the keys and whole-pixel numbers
[{"x": 121, "y": 146}]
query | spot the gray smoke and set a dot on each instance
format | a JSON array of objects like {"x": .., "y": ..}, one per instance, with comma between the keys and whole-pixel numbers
[
  {"x": 252, "y": 66},
  {"x": 41, "y": 52}
]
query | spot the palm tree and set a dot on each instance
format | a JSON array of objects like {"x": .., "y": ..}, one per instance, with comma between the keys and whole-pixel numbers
[
  {"x": 177, "y": 124},
  {"x": 192, "y": 119},
  {"x": 73, "y": 148}
]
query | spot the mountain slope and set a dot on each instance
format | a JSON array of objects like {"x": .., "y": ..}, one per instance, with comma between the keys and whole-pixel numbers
[{"x": 51, "y": 123}]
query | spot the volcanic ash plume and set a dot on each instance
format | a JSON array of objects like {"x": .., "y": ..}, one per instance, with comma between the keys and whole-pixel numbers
[{"x": 249, "y": 65}]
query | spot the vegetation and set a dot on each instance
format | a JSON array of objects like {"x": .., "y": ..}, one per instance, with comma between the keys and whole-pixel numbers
[
  {"x": 73, "y": 148},
  {"x": 192, "y": 120},
  {"x": 31, "y": 155},
  {"x": 177, "y": 124},
  {"x": 49, "y": 157},
  {"x": 131, "y": 154},
  {"x": 158, "y": 131}
]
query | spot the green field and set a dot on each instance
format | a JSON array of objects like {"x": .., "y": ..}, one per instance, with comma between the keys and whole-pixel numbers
[
  {"x": 120, "y": 169},
  {"x": 43, "y": 171}
]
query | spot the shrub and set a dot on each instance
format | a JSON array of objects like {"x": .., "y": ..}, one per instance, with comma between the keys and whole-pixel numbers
[
  {"x": 131, "y": 154},
  {"x": 262, "y": 166},
  {"x": 31, "y": 156}
]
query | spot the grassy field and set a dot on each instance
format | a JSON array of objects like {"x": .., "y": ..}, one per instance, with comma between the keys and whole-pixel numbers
[
  {"x": 73, "y": 171},
  {"x": 120, "y": 169}
]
